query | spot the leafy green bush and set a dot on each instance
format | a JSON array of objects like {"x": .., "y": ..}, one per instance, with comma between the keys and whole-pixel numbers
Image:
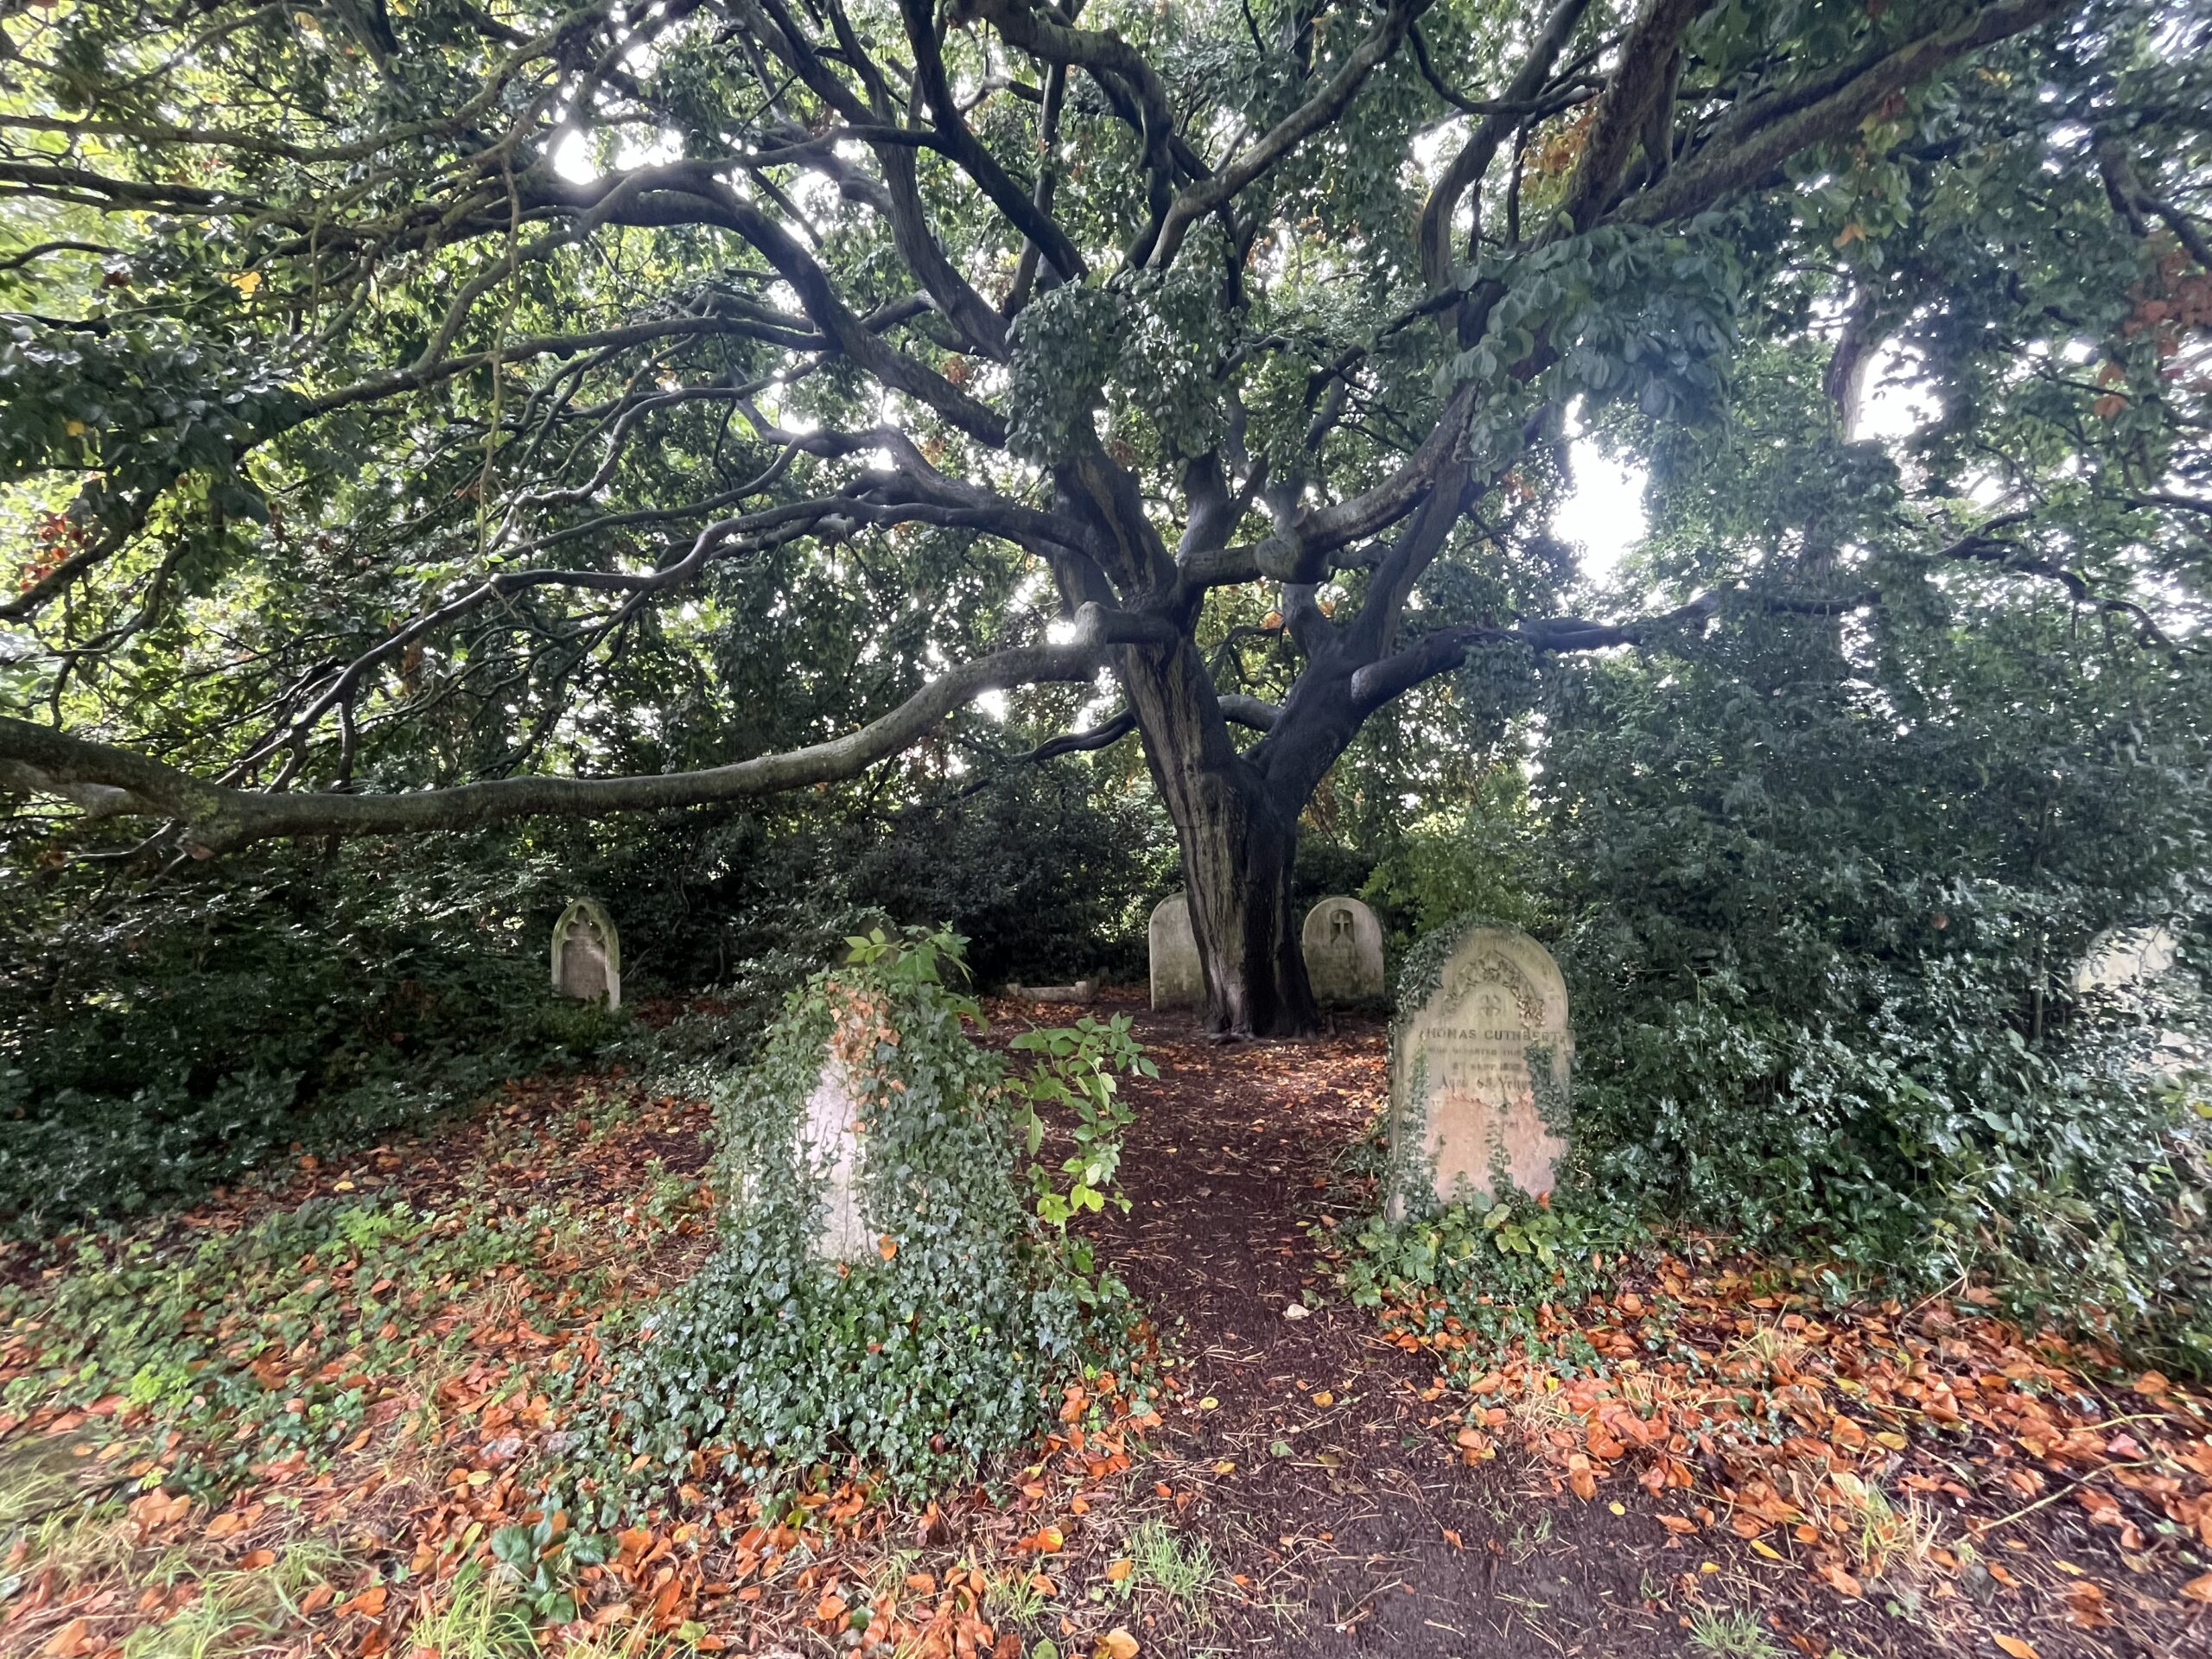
[
  {"x": 1488, "y": 1272},
  {"x": 1820, "y": 957},
  {"x": 947, "y": 1341},
  {"x": 1047, "y": 873},
  {"x": 157, "y": 1040}
]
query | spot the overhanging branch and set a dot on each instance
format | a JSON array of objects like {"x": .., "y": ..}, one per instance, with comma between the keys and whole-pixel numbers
[{"x": 114, "y": 781}]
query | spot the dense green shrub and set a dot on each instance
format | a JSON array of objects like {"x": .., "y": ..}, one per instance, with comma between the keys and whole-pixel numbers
[
  {"x": 158, "y": 1038},
  {"x": 949, "y": 1340},
  {"x": 1047, "y": 872},
  {"x": 1820, "y": 931}
]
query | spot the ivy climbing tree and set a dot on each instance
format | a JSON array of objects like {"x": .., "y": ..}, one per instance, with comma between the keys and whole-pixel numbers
[{"x": 407, "y": 408}]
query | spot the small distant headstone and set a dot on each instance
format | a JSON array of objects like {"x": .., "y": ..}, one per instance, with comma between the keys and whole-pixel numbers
[
  {"x": 1343, "y": 943},
  {"x": 1177, "y": 981},
  {"x": 587, "y": 954},
  {"x": 1479, "y": 1067},
  {"x": 2121, "y": 957},
  {"x": 1084, "y": 991},
  {"x": 829, "y": 1141}
]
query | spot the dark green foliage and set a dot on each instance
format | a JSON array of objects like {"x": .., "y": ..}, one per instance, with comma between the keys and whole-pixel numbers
[
  {"x": 154, "y": 1042},
  {"x": 1046, "y": 870},
  {"x": 923, "y": 1358},
  {"x": 1822, "y": 968}
]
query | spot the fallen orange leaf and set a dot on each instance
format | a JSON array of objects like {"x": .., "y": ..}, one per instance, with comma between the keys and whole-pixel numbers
[
  {"x": 369, "y": 1603},
  {"x": 1116, "y": 1644},
  {"x": 2016, "y": 1648},
  {"x": 2199, "y": 1588},
  {"x": 1118, "y": 1571}
]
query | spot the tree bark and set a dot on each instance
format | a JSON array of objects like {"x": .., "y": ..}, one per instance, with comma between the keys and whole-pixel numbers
[{"x": 1239, "y": 840}]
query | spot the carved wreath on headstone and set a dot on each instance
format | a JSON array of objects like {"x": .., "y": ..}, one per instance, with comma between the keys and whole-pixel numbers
[{"x": 1492, "y": 968}]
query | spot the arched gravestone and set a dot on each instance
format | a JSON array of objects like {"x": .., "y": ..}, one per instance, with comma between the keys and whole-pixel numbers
[
  {"x": 2121, "y": 957},
  {"x": 587, "y": 954},
  {"x": 1480, "y": 1059},
  {"x": 1177, "y": 981},
  {"x": 1342, "y": 944}
]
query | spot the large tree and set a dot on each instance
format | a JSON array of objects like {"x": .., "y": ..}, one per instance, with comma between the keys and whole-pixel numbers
[{"x": 395, "y": 380}]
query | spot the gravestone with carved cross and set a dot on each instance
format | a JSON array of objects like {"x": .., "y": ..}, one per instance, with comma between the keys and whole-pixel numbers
[
  {"x": 1480, "y": 1057},
  {"x": 1343, "y": 943}
]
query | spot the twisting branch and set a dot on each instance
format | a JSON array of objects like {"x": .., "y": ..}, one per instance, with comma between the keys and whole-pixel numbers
[{"x": 112, "y": 782}]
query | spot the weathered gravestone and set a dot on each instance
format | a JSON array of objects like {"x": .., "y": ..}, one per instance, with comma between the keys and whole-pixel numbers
[
  {"x": 829, "y": 1142},
  {"x": 1177, "y": 981},
  {"x": 1083, "y": 993},
  {"x": 587, "y": 954},
  {"x": 1343, "y": 943},
  {"x": 1479, "y": 1064}
]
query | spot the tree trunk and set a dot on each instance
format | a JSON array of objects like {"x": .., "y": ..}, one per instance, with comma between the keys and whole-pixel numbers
[
  {"x": 1237, "y": 853},
  {"x": 1238, "y": 842}
]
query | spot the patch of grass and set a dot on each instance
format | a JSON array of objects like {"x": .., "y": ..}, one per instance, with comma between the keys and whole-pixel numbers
[
  {"x": 47, "y": 1514},
  {"x": 1727, "y": 1634},
  {"x": 481, "y": 1618},
  {"x": 1016, "y": 1598},
  {"x": 236, "y": 1610},
  {"x": 1182, "y": 1568}
]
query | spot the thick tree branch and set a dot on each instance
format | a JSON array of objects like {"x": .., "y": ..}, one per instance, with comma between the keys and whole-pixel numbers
[
  {"x": 1309, "y": 118},
  {"x": 1748, "y": 152},
  {"x": 118, "y": 782}
]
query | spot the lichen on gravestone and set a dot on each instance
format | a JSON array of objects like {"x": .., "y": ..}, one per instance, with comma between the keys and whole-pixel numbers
[{"x": 1481, "y": 1058}]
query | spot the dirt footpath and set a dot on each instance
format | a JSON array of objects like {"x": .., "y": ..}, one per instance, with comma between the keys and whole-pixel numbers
[{"x": 1321, "y": 1458}]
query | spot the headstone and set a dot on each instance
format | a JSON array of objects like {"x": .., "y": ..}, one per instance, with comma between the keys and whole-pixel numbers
[
  {"x": 1466, "y": 1063},
  {"x": 2121, "y": 957},
  {"x": 1343, "y": 943},
  {"x": 1083, "y": 992},
  {"x": 587, "y": 954},
  {"x": 829, "y": 1142},
  {"x": 1177, "y": 981}
]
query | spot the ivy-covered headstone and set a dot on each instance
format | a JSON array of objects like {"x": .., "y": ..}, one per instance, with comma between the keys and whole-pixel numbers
[
  {"x": 1480, "y": 1057},
  {"x": 883, "y": 1289}
]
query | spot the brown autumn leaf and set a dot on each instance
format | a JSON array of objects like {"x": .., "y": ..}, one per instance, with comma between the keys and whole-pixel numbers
[
  {"x": 1579, "y": 1478},
  {"x": 1116, "y": 1644},
  {"x": 1840, "y": 1581},
  {"x": 369, "y": 1604},
  {"x": 1118, "y": 1571},
  {"x": 2018, "y": 1647},
  {"x": 2199, "y": 1588},
  {"x": 2086, "y": 1605}
]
